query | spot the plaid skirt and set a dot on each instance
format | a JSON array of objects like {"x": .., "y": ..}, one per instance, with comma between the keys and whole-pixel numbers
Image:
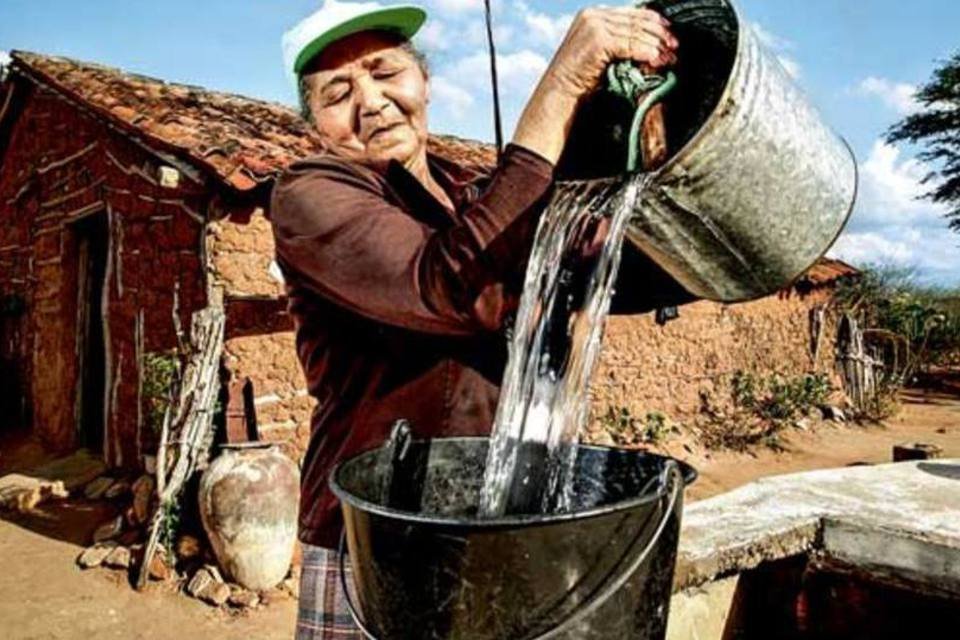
[{"x": 323, "y": 613}]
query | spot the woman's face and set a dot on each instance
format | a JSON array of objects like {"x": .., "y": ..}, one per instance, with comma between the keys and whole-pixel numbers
[{"x": 369, "y": 100}]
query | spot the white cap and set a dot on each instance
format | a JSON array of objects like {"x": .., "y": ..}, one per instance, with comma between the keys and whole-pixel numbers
[{"x": 336, "y": 20}]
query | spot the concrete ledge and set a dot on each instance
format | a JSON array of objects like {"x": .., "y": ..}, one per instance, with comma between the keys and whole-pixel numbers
[{"x": 901, "y": 518}]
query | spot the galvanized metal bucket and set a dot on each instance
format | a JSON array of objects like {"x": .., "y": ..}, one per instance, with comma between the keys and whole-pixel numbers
[{"x": 757, "y": 187}]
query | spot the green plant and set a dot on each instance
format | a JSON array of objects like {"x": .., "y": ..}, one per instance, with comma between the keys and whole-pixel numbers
[
  {"x": 618, "y": 420},
  {"x": 913, "y": 326},
  {"x": 789, "y": 398},
  {"x": 626, "y": 428},
  {"x": 160, "y": 372},
  {"x": 744, "y": 386},
  {"x": 762, "y": 408},
  {"x": 655, "y": 427},
  {"x": 170, "y": 527},
  {"x": 777, "y": 397}
]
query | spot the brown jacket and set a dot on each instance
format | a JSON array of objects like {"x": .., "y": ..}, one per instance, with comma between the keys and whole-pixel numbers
[{"x": 400, "y": 303}]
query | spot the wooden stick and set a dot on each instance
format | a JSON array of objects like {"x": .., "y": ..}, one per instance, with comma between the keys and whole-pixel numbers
[{"x": 192, "y": 419}]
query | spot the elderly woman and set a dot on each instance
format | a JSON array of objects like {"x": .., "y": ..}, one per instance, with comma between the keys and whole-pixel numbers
[{"x": 401, "y": 267}]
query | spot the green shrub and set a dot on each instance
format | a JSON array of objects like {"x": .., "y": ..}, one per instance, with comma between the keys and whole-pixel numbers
[
  {"x": 626, "y": 428},
  {"x": 160, "y": 372}
]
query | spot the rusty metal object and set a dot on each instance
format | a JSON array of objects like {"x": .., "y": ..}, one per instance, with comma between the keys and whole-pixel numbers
[
  {"x": 653, "y": 135},
  {"x": 758, "y": 187},
  {"x": 248, "y": 504}
]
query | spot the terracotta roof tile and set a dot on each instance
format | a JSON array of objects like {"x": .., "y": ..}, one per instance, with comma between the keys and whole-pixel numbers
[
  {"x": 827, "y": 271},
  {"x": 244, "y": 142}
]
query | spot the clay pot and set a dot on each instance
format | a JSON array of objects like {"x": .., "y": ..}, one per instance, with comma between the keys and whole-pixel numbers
[{"x": 248, "y": 504}]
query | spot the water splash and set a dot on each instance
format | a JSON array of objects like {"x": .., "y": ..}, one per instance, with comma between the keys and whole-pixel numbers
[{"x": 544, "y": 402}]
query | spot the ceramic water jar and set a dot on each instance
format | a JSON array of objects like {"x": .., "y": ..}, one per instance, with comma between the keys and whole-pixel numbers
[{"x": 248, "y": 504}]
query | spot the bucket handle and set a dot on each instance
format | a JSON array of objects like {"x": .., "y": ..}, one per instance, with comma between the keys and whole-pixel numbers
[{"x": 671, "y": 471}]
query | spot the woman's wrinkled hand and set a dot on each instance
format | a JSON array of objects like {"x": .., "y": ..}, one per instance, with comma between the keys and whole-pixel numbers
[
  {"x": 600, "y": 36},
  {"x": 597, "y": 37}
]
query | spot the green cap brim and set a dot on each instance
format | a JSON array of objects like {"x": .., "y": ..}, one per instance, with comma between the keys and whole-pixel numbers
[{"x": 404, "y": 20}]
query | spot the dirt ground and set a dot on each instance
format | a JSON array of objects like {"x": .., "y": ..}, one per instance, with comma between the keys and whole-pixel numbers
[
  {"x": 44, "y": 596},
  {"x": 929, "y": 416}
]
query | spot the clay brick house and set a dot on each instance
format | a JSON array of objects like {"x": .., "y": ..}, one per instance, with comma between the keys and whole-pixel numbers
[
  {"x": 119, "y": 192},
  {"x": 115, "y": 191}
]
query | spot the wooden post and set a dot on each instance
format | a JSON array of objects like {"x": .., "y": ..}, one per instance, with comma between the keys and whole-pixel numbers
[{"x": 236, "y": 414}]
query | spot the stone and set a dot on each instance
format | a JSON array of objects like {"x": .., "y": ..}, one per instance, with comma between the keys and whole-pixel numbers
[
  {"x": 96, "y": 489},
  {"x": 94, "y": 556},
  {"x": 216, "y": 594},
  {"x": 150, "y": 465},
  {"x": 244, "y": 599},
  {"x": 291, "y": 586},
  {"x": 130, "y": 517},
  {"x": 214, "y": 573},
  {"x": 203, "y": 580},
  {"x": 159, "y": 570},
  {"x": 24, "y": 493},
  {"x": 207, "y": 585},
  {"x": 188, "y": 547},
  {"x": 108, "y": 530},
  {"x": 142, "y": 498},
  {"x": 118, "y": 489},
  {"x": 199, "y": 583},
  {"x": 118, "y": 558}
]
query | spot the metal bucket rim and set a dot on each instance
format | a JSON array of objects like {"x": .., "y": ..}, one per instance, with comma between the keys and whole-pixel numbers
[
  {"x": 676, "y": 160},
  {"x": 687, "y": 149},
  {"x": 512, "y": 522}
]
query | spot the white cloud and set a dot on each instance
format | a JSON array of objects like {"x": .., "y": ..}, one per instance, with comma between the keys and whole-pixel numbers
[
  {"x": 899, "y": 96},
  {"x": 473, "y": 35},
  {"x": 891, "y": 190},
  {"x": 544, "y": 29},
  {"x": 873, "y": 248},
  {"x": 455, "y": 6},
  {"x": 434, "y": 36},
  {"x": 934, "y": 255},
  {"x": 893, "y": 225},
  {"x": 453, "y": 98},
  {"x": 518, "y": 71}
]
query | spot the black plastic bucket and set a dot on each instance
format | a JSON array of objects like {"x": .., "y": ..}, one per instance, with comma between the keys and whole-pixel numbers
[{"x": 605, "y": 570}]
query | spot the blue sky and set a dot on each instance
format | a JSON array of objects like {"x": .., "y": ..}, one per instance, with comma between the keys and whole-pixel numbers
[{"x": 858, "y": 61}]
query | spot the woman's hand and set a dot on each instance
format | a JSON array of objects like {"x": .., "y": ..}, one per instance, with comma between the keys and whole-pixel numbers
[
  {"x": 601, "y": 36},
  {"x": 597, "y": 37}
]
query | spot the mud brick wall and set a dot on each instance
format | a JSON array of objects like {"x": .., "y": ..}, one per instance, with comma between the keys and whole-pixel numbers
[
  {"x": 260, "y": 341},
  {"x": 647, "y": 368},
  {"x": 643, "y": 367},
  {"x": 62, "y": 165}
]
